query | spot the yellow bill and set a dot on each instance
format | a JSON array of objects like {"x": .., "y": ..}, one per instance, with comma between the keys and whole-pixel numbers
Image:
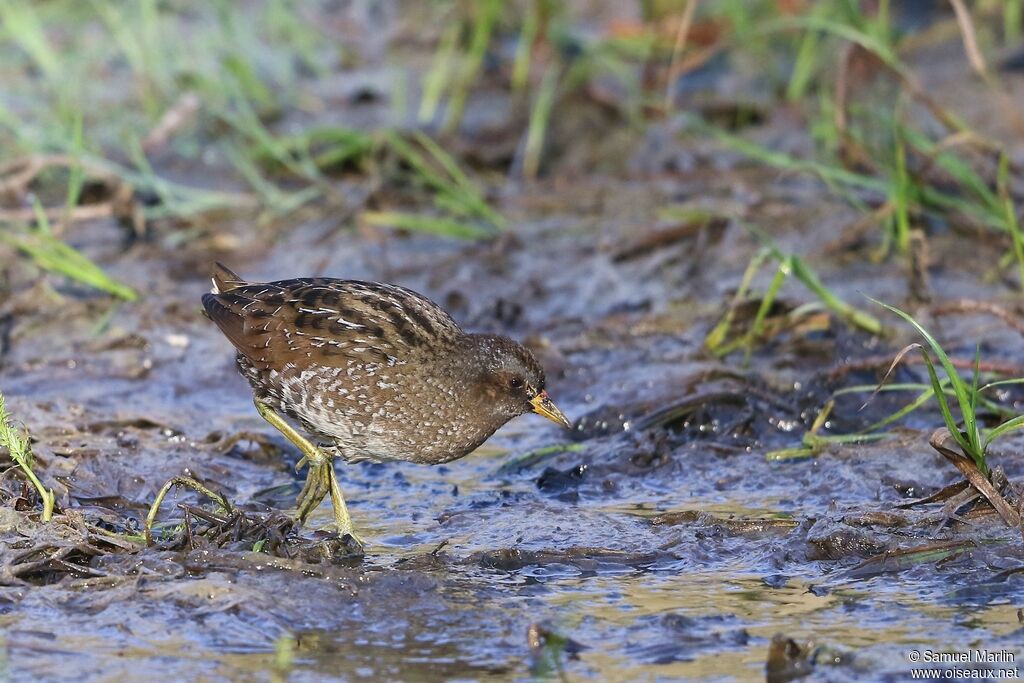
[{"x": 543, "y": 405}]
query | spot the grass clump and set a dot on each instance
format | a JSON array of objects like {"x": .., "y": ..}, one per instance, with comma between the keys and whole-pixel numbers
[
  {"x": 960, "y": 402},
  {"x": 972, "y": 439},
  {"x": 963, "y": 440},
  {"x": 16, "y": 442},
  {"x": 459, "y": 202},
  {"x": 216, "y": 102},
  {"x": 721, "y": 341}
]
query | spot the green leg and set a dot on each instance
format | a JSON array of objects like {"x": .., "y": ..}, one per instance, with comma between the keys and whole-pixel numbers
[{"x": 320, "y": 480}]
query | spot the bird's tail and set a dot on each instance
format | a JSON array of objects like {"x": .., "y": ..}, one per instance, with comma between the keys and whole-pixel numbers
[{"x": 224, "y": 280}]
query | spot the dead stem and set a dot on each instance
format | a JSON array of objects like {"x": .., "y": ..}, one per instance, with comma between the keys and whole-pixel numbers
[
  {"x": 16, "y": 178},
  {"x": 942, "y": 441},
  {"x": 873, "y": 362},
  {"x": 685, "y": 22},
  {"x": 974, "y": 56},
  {"x": 174, "y": 119},
  {"x": 973, "y": 306}
]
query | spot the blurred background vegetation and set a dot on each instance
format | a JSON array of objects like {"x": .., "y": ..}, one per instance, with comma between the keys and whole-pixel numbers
[{"x": 171, "y": 116}]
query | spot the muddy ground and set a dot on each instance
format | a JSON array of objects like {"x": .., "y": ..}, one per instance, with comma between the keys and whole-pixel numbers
[{"x": 656, "y": 538}]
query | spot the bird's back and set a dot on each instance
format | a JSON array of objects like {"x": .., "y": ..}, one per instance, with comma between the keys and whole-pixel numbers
[{"x": 325, "y": 321}]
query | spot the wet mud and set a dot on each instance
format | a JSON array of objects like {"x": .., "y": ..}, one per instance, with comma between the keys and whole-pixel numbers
[{"x": 654, "y": 541}]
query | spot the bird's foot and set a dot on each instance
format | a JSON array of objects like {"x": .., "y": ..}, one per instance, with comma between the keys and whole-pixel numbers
[
  {"x": 321, "y": 481},
  {"x": 316, "y": 488},
  {"x": 320, "y": 477}
]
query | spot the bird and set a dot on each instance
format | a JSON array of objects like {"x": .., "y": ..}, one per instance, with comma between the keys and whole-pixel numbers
[{"x": 371, "y": 372}]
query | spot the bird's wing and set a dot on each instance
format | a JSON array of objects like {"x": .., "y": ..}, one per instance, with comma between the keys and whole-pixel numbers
[{"x": 326, "y": 322}]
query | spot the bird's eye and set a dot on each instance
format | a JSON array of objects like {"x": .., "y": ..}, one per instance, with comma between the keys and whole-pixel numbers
[{"x": 516, "y": 382}]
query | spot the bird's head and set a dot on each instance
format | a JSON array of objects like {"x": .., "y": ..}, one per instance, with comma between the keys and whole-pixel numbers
[{"x": 510, "y": 381}]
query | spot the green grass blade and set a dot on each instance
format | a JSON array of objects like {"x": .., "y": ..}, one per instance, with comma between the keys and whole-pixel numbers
[
  {"x": 974, "y": 379},
  {"x": 767, "y": 301},
  {"x": 22, "y": 25},
  {"x": 540, "y": 116},
  {"x": 921, "y": 399},
  {"x": 785, "y": 454},
  {"x": 896, "y": 386},
  {"x": 486, "y": 18},
  {"x": 51, "y": 254},
  {"x": 809, "y": 278},
  {"x": 428, "y": 224},
  {"x": 445, "y": 160},
  {"x": 804, "y": 67},
  {"x": 439, "y": 76},
  {"x": 817, "y": 23},
  {"x": 816, "y": 441},
  {"x": 716, "y": 339},
  {"x": 902, "y": 200},
  {"x": 960, "y": 389},
  {"x": 524, "y": 46},
  {"x": 970, "y": 440},
  {"x": 458, "y": 194},
  {"x": 1013, "y": 18},
  {"x": 1000, "y": 383},
  {"x": 947, "y": 414},
  {"x": 1000, "y": 430},
  {"x": 786, "y": 162}
]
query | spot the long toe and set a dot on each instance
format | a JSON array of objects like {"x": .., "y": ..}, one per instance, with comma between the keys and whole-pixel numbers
[
  {"x": 356, "y": 540},
  {"x": 313, "y": 493}
]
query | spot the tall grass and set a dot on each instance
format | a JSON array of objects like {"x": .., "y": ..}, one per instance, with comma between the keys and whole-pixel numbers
[
  {"x": 247, "y": 68},
  {"x": 242, "y": 69},
  {"x": 908, "y": 173}
]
